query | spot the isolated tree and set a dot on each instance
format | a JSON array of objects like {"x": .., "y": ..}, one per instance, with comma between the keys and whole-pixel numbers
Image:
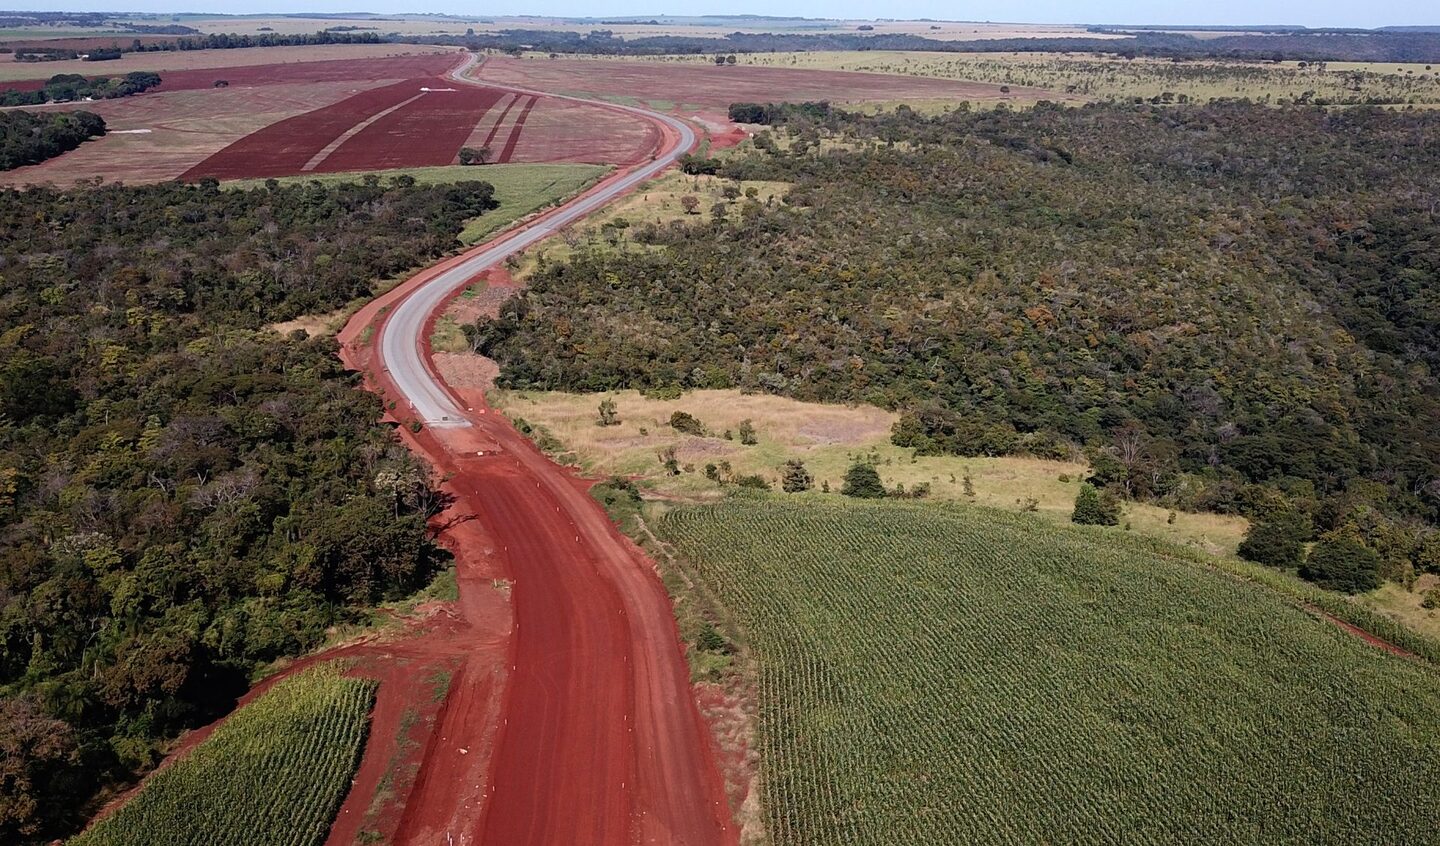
[
  {"x": 1095, "y": 507},
  {"x": 607, "y": 413},
  {"x": 1278, "y": 540},
  {"x": 797, "y": 478},
  {"x": 1342, "y": 564},
  {"x": 863, "y": 482},
  {"x": 747, "y": 433},
  {"x": 690, "y": 203}
]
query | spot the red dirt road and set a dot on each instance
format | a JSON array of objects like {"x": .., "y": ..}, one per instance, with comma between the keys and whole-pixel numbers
[{"x": 601, "y": 741}]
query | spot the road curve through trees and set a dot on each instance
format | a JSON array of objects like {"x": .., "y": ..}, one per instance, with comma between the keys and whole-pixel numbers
[
  {"x": 401, "y": 340},
  {"x": 600, "y": 740}
]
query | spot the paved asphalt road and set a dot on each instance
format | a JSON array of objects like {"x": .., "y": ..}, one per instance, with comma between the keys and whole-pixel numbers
[{"x": 400, "y": 336}]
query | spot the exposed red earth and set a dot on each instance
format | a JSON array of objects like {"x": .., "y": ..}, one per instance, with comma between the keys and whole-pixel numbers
[
  {"x": 601, "y": 740},
  {"x": 286, "y": 147},
  {"x": 428, "y": 130},
  {"x": 291, "y": 118}
]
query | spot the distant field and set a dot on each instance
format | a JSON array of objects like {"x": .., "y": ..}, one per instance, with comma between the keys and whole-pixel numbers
[
  {"x": 274, "y": 773},
  {"x": 520, "y": 188},
  {"x": 703, "y": 84},
  {"x": 176, "y": 60},
  {"x": 295, "y": 117},
  {"x": 932, "y": 674},
  {"x": 703, "y": 27},
  {"x": 1089, "y": 77}
]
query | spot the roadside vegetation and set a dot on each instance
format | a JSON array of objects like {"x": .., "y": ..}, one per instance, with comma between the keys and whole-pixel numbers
[
  {"x": 273, "y": 774},
  {"x": 931, "y": 673},
  {"x": 185, "y": 495},
  {"x": 518, "y": 189}
]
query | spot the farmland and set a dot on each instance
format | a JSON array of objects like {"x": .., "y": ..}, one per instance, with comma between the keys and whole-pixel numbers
[
  {"x": 273, "y": 773},
  {"x": 1101, "y": 78},
  {"x": 332, "y": 115},
  {"x": 946, "y": 674},
  {"x": 168, "y": 63},
  {"x": 691, "y": 86}
]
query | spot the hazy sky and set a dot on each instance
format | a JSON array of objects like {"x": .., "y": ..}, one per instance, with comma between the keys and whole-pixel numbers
[{"x": 1359, "y": 13}]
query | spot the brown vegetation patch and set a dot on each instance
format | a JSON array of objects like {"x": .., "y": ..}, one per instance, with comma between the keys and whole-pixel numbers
[{"x": 680, "y": 84}]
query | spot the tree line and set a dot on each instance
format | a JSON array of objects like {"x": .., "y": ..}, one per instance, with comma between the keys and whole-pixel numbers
[
  {"x": 1362, "y": 46},
  {"x": 185, "y": 495},
  {"x": 73, "y": 87},
  {"x": 1224, "y": 308},
  {"x": 28, "y": 138}
]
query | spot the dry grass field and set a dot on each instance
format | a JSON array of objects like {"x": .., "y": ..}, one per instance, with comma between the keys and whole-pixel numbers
[
  {"x": 1105, "y": 78},
  {"x": 701, "y": 85},
  {"x": 173, "y": 60},
  {"x": 701, "y": 27},
  {"x": 828, "y": 438}
]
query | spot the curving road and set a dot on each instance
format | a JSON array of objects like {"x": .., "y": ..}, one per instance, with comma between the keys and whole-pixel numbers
[
  {"x": 401, "y": 336},
  {"x": 599, "y": 740}
]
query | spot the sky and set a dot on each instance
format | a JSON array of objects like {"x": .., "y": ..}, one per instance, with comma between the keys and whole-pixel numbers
[{"x": 1314, "y": 13}]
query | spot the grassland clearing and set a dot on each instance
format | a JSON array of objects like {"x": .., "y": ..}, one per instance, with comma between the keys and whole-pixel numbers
[
  {"x": 715, "y": 88},
  {"x": 932, "y": 673},
  {"x": 274, "y": 773},
  {"x": 828, "y": 438},
  {"x": 1112, "y": 78}
]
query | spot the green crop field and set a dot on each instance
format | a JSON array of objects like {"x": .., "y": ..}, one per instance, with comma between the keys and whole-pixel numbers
[
  {"x": 274, "y": 774},
  {"x": 941, "y": 674}
]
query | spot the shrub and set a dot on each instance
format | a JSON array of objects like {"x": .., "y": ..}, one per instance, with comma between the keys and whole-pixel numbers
[
  {"x": 747, "y": 433},
  {"x": 862, "y": 482},
  {"x": 682, "y": 422},
  {"x": 1278, "y": 541},
  {"x": 1342, "y": 564},
  {"x": 1095, "y": 507},
  {"x": 753, "y": 482},
  {"x": 608, "y": 416}
]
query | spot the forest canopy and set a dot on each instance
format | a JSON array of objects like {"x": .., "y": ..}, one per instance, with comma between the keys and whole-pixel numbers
[
  {"x": 28, "y": 138},
  {"x": 72, "y": 87},
  {"x": 1225, "y": 307},
  {"x": 185, "y": 494}
]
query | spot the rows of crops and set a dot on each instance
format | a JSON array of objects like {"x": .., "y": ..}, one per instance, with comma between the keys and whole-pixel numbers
[
  {"x": 957, "y": 675},
  {"x": 273, "y": 774}
]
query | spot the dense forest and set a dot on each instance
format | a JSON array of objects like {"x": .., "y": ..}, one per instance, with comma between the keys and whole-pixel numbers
[
  {"x": 70, "y": 87},
  {"x": 1350, "y": 46},
  {"x": 184, "y": 494},
  {"x": 1229, "y": 308},
  {"x": 28, "y": 138}
]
